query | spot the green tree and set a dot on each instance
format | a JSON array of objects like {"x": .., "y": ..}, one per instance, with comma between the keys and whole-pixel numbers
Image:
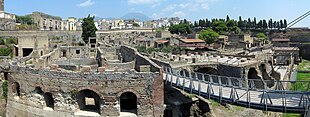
[
  {"x": 254, "y": 23},
  {"x": 209, "y": 36},
  {"x": 281, "y": 24},
  {"x": 265, "y": 25},
  {"x": 24, "y": 19},
  {"x": 89, "y": 28},
  {"x": 181, "y": 29},
  {"x": 2, "y": 41},
  {"x": 261, "y": 35},
  {"x": 285, "y": 24},
  {"x": 135, "y": 25},
  {"x": 5, "y": 89},
  {"x": 227, "y": 18},
  {"x": 219, "y": 27},
  {"x": 195, "y": 24},
  {"x": 5, "y": 51}
]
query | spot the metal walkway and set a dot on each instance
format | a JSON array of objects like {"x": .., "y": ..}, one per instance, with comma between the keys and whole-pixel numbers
[{"x": 251, "y": 93}]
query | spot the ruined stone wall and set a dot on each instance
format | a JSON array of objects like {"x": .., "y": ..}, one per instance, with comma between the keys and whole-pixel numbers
[
  {"x": 75, "y": 51},
  {"x": 7, "y": 24},
  {"x": 131, "y": 54},
  {"x": 148, "y": 87},
  {"x": 231, "y": 71}
]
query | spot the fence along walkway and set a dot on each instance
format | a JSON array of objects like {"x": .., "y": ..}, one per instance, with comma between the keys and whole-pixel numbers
[{"x": 239, "y": 92}]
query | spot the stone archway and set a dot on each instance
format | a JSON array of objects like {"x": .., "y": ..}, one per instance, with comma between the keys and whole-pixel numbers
[
  {"x": 128, "y": 102},
  {"x": 88, "y": 100},
  {"x": 207, "y": 70},
  {"x": 38, "y": 90}
]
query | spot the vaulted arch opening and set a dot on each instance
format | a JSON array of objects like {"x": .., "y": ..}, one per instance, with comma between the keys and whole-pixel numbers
[
  {"x": 208, "y": 70},
  {"x": 88, "y": 100},
  {"x": 38, "y": 90},
  {"x": 128, "y": 102},
  {"x": 49, "y": 100}
]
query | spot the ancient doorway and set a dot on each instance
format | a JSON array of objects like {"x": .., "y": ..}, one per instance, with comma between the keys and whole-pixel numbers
[
  {"x": 88, "y": 100},
  {"x": 27, "y": 51},
  {"x": 16, "y": 89},
  {"x": 128, "y": 102},
  {"x": 49, "y": 100}
]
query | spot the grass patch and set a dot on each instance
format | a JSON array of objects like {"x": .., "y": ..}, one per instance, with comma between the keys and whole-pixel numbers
[
  {"x": 291, "y": 115},
  {"x": 301, "y": 86},
  {"x": 304, "y": 65},
  {"x": 214, "y": 103}
]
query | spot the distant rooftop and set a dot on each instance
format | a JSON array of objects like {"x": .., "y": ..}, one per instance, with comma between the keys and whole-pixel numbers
[
  {"x": 280, "y": 40},
  {"x": 192, "y": 40}
]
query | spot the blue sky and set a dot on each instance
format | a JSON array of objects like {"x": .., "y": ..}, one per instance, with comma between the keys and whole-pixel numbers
[{"x": 190, "y": 9}]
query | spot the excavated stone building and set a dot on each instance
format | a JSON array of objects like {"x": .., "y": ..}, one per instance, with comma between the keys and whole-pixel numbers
[{"x": 118, "y": 81}]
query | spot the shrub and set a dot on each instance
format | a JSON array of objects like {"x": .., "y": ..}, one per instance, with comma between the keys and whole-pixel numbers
[
  {"x": 5, "y": 51},
  {"x": 5, "y": 89}
]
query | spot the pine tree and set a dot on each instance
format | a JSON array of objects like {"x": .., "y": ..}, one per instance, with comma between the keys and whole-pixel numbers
[{"x": 89, "y": 28}]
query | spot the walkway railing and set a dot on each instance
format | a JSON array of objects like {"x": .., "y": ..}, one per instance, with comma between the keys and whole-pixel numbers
[{"x": 269, "y": 95}]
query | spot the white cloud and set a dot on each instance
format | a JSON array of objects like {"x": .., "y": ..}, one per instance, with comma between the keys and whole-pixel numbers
[
  {"x": 144, "y": 1},
  {"x": 87, "y": 3},
  {"x": 169, "y": 8},
  {"x": 155, "y": 5},
  {"x": 205, "y": 6},
  {"x": 178, "y": 14}
]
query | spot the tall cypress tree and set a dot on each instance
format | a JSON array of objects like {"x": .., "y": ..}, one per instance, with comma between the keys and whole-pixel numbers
[
  {"x": 281, "y": 24},
  {"x": 254, "y": 23},
  {"x": 265, "y": 24},
  {"x": 285, "y": 23},
  {"x": 227, "y": 18}
]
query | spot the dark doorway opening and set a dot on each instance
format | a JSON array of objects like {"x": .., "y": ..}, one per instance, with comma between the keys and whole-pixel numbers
[
  {"x": 16, "y": 90},
  {"x": 88, "y": 100},
  {"x": 49, "y": 100},
  {"x": 254, "y": 81},
  {"x": 27, "y": 51},
  {"x": 128, "y": 102}
]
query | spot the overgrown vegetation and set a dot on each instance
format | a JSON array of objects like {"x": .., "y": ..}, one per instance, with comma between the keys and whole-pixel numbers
[
  {"x": 24, "y": 19},
  {"x": 6, "y": 46},
  {"x": 291, "y": 115},
  {"x": 5, "y": 89},
  {"x": 304, "y": 65},
  {"x": 302, "y": 86}
]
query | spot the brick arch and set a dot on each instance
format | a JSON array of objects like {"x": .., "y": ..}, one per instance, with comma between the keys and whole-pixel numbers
[
  {"x": 92, "y": 89},
  {"x": 128, "y": 90}
]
